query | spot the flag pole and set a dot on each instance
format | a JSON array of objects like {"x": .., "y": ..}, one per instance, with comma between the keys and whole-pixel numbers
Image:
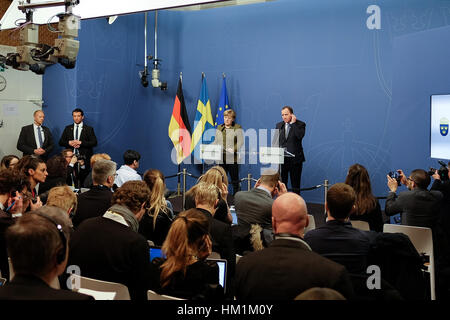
[{"x": 179, "y": 165}]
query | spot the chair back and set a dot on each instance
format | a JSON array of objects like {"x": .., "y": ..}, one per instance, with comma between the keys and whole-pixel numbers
[
  {"x": 121, "y": 290},
  {"x": 361, "y": 225},
  {"x": 152, "y": 295},
  {"x": 312, "y": 223},
  {"x": 422, "y": 239}
]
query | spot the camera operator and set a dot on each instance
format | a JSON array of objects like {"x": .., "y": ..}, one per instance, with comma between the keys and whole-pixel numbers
[
  {"x": 418, "y": 206},
  {"x": 443, "y": 185},
  {"x": 76, "y": 168}
]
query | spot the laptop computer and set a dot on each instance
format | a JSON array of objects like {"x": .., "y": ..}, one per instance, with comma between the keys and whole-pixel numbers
[
  {"x": 156, "y": 252},
  {"x": 222, "y": 263}
]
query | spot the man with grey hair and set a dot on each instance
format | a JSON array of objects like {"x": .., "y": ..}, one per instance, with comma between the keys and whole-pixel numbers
[
  {"x": 38, "y": 266},
  {"x": 97, "y": 200},
  {"x": 288, "y": 266}
]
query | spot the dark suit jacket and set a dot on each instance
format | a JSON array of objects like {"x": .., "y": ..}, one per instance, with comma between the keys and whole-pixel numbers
[
  {"x": 27, "y": 142},
  {"x": 87, "y": 138},
  {"x": 284, "y": 270},
  {"x": 254, "y": 207},
  {"x": 342, "y": 243},
  {"x": 418, "y": 207},
  {"x": 92, "y": 203},
  {"x": 33, "y": 288},
  {"x": 293, "y": 143},
  {"x": 110, "y": 251}
]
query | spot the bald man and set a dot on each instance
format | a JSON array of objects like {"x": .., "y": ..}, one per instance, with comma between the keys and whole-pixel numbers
[
  {"x": 36, "y": 139},
  {"x": 288, "y": 266}
]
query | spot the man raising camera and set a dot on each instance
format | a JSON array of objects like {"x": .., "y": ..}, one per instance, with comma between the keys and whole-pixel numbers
[{"x": 418, "y": 206}]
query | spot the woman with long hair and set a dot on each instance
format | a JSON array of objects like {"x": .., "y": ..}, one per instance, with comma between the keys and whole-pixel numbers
[
  {"x": 155, "y": 223},
  {"x": 35, "y": 170},
  {"x": 57, "y": 174},
  {"x": 185, "y": 273},
  {"x": 367, "y": 206},
  {"x": 218, "y": 177},
  {"x": 9, "y": 161}
]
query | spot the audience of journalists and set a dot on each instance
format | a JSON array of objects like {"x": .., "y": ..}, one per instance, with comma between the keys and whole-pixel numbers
[{"x": 270, "y": 250}]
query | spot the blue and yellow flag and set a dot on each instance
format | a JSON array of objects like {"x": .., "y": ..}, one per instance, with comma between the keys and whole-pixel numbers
[
  {"x": 203, "y": 120},
  {"x": 223, "y": 104}
]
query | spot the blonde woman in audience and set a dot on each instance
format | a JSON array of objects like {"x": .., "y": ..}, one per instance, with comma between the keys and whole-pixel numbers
[
  {"x": 64, "y": 198},
  {"x": 218, "y": 177},
  {"x": 185, "y": 273},
  {"x": 155, "y": 223}
]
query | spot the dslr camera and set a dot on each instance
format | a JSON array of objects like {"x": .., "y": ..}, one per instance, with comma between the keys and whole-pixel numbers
[
  {"x": 442, "y": 171},
  {"x": 395, "y": 175}
]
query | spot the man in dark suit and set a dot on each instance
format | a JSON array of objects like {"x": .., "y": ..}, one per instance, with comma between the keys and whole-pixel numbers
[
  {"x": 255, "y": 206},
  {"x": 110, "y": 248},
  {"x": 337, "y": 239},
  {"x": 79, "y": 137},
  {"x": 206, "y": 200},
  {"x": 97, "y": 200},
  {"x": 36, "y": 139},
  {"x": 417, "y": 206},
  {"x": 290, "y": 135},
  {"x": 38, "y": 266},
  {"x": 288, "y": 266}
]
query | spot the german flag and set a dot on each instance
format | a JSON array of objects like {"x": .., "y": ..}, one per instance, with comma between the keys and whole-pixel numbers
[{"x": 179, "y": 128}]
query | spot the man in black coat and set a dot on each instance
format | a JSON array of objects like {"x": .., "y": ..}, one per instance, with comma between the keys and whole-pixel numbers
[
  {"x": 79, "y": 137},
  {"x": 288, "y": 266},
  {"x": 36, "y": 139},
  {"x": 206, "y": 200},
  {"x": 417, "y": 206},
  {"x": 110, "y": 248},
  {"x": 290, "y": 135},
  {"x": 337, "y": 239},
  {"x": 97, "y": 200}
]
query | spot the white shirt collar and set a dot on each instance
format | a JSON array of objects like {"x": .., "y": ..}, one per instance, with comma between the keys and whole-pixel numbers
[{"x": 80, "y": 125}]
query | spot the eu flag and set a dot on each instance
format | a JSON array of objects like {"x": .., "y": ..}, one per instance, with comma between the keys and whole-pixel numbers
[{"x": 223, "y": 104}]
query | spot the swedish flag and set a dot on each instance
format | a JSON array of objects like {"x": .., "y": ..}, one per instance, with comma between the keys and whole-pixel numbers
[
  {"x": 223, "y": 104},
  {"x": 203, "y": 119}
]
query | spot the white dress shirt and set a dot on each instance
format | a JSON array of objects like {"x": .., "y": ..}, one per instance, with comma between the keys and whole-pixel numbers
[
  {"x": 36, "y": 138},
  {"x": 80, "y": 127},
  {"x": 124, "y": 174}
]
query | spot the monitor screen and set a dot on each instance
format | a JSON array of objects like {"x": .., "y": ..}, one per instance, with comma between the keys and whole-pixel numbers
[
  {"x": 222, "y": 263},
  {"x": 439, "y": 126}
]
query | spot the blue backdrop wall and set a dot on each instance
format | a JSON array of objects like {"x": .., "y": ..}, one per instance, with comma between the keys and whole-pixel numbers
[{"x": 363, "y": 93}]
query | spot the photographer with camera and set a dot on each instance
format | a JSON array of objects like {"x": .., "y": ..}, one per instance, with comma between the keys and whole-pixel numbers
[
  {"x": 76, "y": 168},
  {"x": 442, "y": 183},
  {"x": 418, "y": 206}
]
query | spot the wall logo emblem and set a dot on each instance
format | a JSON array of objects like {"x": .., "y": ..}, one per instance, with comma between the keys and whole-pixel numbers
[{"x": 443, "y": 126}]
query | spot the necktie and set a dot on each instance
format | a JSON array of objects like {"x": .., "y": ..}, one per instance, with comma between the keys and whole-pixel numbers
[
  {"x": 288, "y": 127},
  {"x": 39, "y": 137},
  {"x": 76, "y": 138},
  {"x": 76, "y": 133}
]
